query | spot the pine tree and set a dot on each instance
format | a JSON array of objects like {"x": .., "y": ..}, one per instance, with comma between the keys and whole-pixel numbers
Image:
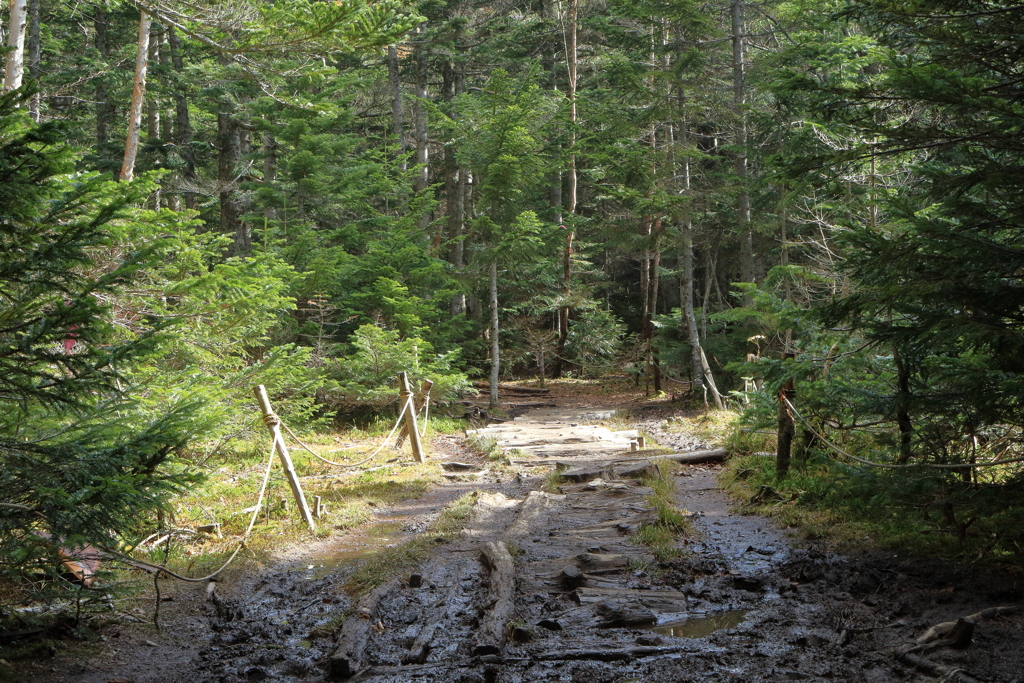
[{"x": 77, "y": 462}]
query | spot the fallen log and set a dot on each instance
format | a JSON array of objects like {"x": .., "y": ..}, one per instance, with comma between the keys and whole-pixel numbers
[
  {"x": 629, "y": 469},
  {"x": 421, "y": 646},
  {"x": 500, "y": 598},
  {"x": 615, "y": 614},
  {"x": 945, "y": 628},
  {"x": 691, "y": 458},
  {"x": 511, "y": 389},
  {"x": 355, "y": 634},
  {"x": 533, "y": 507},
  {"x": 530, "y": 404},
  {"x": 946, "y": 673},
  {"x": 616, "y": 655}
]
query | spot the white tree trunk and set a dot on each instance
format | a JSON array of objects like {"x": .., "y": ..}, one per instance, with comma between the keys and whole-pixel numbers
[
  {"x": 14, "y": 66},
  {"x": 131, "y": 145}
]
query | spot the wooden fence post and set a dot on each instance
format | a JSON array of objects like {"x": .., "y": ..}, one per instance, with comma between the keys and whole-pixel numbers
[
  {"x": 405, "y": 392},
  {"x": 273, "y": 424},
  {"x": 786, "y": 426},
  {"x": 418, "y": 400}
]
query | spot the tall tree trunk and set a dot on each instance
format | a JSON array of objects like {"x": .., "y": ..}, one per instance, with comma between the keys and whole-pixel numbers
[
  {"x": 395, "y": 81},
  {"x": 34, "y": 56},
  {"x": 269, "y": 174},
  {"x": 454, "y": 187},
  {"x": 422, "y": 144},
  {"x": 653, "y": 311},
  {"x": 495, "y": 357},
  {"x": 14, "y": 64},
  {"x": 104, "y": 108},
  {"x": 131, "y": 145},
  {"x": 571, "y": 63},
  {"x": 182, "y": 123},
  {"x": 230, "y": 151},
  {"x": 902, "y": 407},
  {"x": 686, "y": 298},
  {"x": 744, "y": 228},
  {"x": 153, "y": 104}
]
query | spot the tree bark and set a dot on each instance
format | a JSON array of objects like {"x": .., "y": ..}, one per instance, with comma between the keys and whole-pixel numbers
[
  {"x": 182, "y": 124},
  {"x": 744, "y": 228},
  {"x": 786, "y": 427},
  {"x": 422, "y": 179},
  {"x": 495, "y": 351},
  {"x": 686, "y": 295},
  {"x": 34, "y": 56},
  {"x": 14, "y": 64},
  {"x": 230, "y": 143},
  {"x": 395, "y": 81},
  {"x": 902, "y": 407},
  {"x": 153, "y": 105},
  {"x": 131, "y": 145},
  {"x": 571, "y": 63}
]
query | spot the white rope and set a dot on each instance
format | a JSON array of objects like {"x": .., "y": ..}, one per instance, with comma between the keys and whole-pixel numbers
[
  {"x": 241, "y": 543},
  {"x": 936, "y": 466},
  {"x": 426, "y": 414},
  {"x": 398, "y": 423}
]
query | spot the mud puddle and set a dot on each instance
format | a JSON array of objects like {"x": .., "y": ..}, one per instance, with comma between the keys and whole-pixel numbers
[
  {"x": 699, "y": 625},
  {"x": 346, "y": 552}
]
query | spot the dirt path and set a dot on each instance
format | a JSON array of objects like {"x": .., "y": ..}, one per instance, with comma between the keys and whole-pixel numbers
[{"x": 545, "y": 586}]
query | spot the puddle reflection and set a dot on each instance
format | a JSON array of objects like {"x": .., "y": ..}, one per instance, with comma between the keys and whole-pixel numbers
[{"x": 703, "y": 625}]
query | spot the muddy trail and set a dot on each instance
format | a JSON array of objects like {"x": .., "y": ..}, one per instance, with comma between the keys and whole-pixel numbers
[{"x": 553, "y": 586}]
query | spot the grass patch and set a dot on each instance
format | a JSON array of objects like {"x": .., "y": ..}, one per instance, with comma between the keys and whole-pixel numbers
[
  {"x": 553, "y": 481},
  {"x": 486, "y": 446},
  {"x": 672, "y": 522},
  {"x": 388, "y": 563},
  {"x": 924, "y": 513}
]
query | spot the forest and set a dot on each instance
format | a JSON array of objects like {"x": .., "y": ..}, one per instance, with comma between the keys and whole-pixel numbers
[{"x": 809, "y": 212}]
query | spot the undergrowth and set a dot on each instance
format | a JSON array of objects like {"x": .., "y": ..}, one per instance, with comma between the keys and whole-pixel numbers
[{"x": 924, "y": 513}]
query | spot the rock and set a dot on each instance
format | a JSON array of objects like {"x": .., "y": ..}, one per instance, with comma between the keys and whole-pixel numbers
[{"x": 649, "y": 641}]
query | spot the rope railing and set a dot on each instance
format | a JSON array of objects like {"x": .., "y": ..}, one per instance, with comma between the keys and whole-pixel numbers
[
  {"x": 925, "y": 465},
  {"x": 271, "y": 420},
  {"x": 241, "y": 544}
]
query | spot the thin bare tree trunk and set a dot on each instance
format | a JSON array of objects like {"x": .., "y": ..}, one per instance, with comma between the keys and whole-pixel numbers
[
  {"x": 422, "y": 144},
  {"x": 571, "y": 62},
  {"x": 495, "y": 350},
  {"x": 104, "y": 108},
  {"x": 34, "y": 56},
  {"x": 14, "y": 65},
  {"x": 153, "y": 105},
  {"x": 744, "y": 228},
  {"x": 182, "y": 124},
  {"x": 686, "y": 296},
  {"x": 131, "y": 145},
  {"x": 653, "y": 311}
]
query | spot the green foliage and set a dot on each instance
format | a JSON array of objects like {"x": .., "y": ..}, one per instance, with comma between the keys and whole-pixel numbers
[
  {"x": 369, "y": 374},
  {"x": 80, "y": 460}
]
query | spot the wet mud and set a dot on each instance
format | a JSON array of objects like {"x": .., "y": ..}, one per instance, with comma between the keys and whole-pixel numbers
[{"x": 580, "y": 601}]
